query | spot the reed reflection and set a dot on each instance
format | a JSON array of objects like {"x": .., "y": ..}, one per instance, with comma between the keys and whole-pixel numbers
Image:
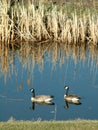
[{"x": 30, "y": 54}]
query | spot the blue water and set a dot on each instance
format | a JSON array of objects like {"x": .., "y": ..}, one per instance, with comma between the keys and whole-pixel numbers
[{"x": 80, "y": 76}]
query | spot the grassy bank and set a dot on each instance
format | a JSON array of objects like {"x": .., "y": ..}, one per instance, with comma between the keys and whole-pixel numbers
[
  {"x": 50, "y": 125},
  {"x": 66, "y": 22}
]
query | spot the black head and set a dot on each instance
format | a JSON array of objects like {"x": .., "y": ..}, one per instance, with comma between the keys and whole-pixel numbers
[
  {"x": 32, "y": 90},
  {"x": 66, "y": 87}
]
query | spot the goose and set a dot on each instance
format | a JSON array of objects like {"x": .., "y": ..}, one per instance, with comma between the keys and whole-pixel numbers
[
  {"x": 41, "y": 99},
  {"x": 72, "y": 99}
]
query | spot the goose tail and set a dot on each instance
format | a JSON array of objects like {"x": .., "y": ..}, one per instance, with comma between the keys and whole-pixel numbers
[{"x": 51, "y": 96}]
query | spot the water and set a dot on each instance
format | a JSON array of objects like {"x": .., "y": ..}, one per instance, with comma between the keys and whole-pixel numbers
[{"x": 48, "y": 70}]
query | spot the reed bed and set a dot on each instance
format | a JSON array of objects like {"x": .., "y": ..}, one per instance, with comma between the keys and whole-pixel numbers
[{"x": 46, "y": 22}]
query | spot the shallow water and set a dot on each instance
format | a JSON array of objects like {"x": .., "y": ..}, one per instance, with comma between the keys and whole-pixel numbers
[{"x": 48, "y": 71}]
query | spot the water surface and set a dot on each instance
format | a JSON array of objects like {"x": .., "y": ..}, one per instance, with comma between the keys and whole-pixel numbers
[{"x": 48, "y": 68}]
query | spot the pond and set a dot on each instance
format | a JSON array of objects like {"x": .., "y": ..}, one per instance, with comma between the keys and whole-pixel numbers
[{"x": 48, "y": 68}]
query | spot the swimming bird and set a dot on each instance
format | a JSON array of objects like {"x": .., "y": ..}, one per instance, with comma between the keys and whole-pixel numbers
[
  {"x": 41, "y": 99},
  {"x": 71, "y": 99}
]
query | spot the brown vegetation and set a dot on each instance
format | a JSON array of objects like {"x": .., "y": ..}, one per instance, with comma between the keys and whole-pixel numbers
[{"x": 51, "y": 21}]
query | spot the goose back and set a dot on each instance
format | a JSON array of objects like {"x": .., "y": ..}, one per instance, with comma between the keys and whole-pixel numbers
[{"x": 42, "y": 98}]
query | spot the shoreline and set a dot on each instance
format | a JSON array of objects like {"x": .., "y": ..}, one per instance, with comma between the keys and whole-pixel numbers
[{"x": 78, "y": 124}]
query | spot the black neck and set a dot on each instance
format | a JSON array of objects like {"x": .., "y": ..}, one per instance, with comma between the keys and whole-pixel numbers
[
  {"x": 33, "y": 93},
  {"x": 66, "y": 91}
]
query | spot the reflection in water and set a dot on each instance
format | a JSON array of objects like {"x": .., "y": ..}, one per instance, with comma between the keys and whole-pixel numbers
[
  {"x": 70, "y": 102},
  {"x": 30, "y": 54},
  {"x": 43, "y": 104},
  {"x": 71, "y": 99},
  {"x": 40, "y": 99},
  {"x": 7, "y": 99}
]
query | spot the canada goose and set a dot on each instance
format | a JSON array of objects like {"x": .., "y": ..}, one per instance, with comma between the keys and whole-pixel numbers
[
  {"x": 41, "y": 99},
  {"x": 71, "y": 99}
]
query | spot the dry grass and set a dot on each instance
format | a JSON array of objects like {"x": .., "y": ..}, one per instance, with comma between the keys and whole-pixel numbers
[
  {"x": 41, "y": 21},
  {"x": 50, "y": 125}
]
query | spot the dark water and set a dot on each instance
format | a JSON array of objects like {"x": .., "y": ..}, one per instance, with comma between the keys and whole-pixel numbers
[{"x": 49, "y": 76}]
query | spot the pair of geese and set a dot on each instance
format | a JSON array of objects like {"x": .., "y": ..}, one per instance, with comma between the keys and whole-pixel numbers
[{"x": 47, "y": 99}]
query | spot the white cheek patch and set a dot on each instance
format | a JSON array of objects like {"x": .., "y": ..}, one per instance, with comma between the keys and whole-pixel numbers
[{"x": 32, "y": 99}]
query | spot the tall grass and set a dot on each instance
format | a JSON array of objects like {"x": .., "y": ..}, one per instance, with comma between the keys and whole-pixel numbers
[{"x": 52, "y": 22}]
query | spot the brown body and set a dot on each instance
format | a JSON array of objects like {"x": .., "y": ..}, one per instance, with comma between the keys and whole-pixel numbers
[{"x": 41, "y": 99}]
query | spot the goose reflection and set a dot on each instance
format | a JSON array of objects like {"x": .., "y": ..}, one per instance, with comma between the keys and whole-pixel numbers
[
  {"x": 71, "y": 99},
  {"x": 41, "y": 99}
]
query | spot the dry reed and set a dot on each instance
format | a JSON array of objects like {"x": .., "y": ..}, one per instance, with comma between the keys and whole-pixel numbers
[{"x": 42, "y": 22}]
